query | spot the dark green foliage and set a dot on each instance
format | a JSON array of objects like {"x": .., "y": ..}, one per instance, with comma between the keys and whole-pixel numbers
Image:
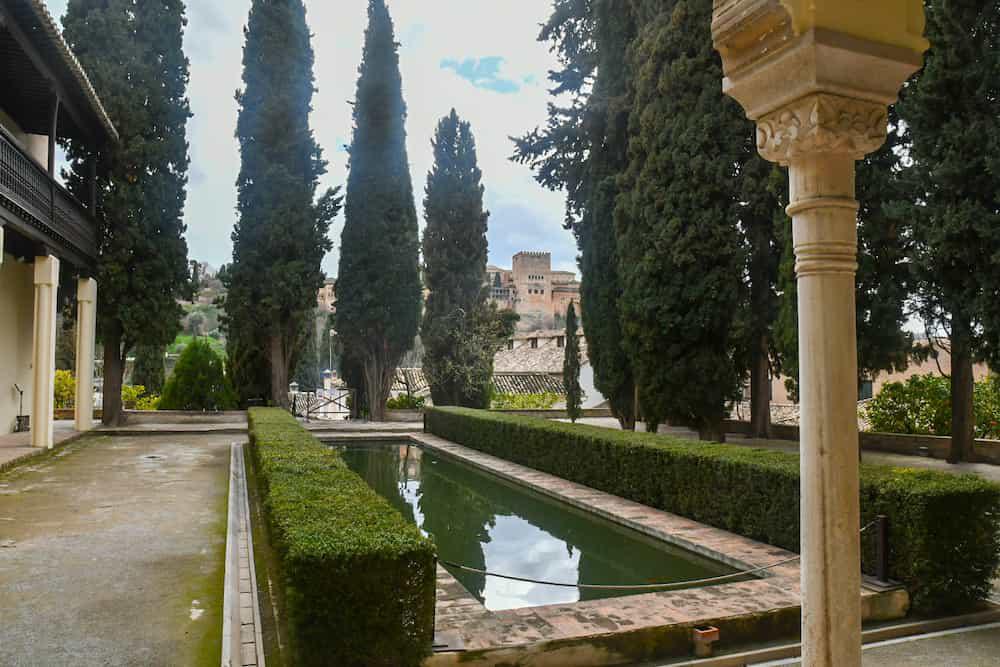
[
  {"x": 922, "y": 405},
  {"x": 582, "y": 150},
  {"x": 199, "y": 381},
  {"x": 132, "y": 52},
  {"x": 378, "y": 285},
  {"x": 358, "y": 580},
  {"x": 307, "y": 365},
  {"x": 571, "y": 366},
  {"x": 149, "y": 370},
  {"x": 281, "y": 236},
  {"x": 755, "y": 492},
  {"x": 460, "y": 333},
  {"x": 950, "y": 111},
  {"x": 680, "y": 257}
]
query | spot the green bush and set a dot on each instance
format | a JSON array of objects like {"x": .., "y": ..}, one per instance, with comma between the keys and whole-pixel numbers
[
  {"x": 922, "y": 406},
  {"x": 65, "y": 390},
  {"x": 358, "y": 579},
  {"x": 525, "y": 401},
  {"x": 198, "y": 382},
  {"x": 945, "y": 529},
  {"x": 405, "y": 402}
]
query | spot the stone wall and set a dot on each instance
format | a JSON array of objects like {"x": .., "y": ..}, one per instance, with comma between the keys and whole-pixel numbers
[{"x": 17, "y": 298}]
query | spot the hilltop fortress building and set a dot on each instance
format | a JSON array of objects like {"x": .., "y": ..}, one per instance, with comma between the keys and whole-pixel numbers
[{"x": 533, "y": 290}]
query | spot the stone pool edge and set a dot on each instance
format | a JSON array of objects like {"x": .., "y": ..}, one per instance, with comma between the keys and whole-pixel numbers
[{"x": 637, "y": 627}]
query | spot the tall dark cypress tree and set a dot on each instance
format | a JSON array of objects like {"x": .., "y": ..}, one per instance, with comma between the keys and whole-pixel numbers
[
  {"x": 680, "y": 255},
  {"x": 149, "y": 370},
  {"x": 378, "y": 283},
  {"x": 583, "y": 150},
  {"x": 133, "y": 53},
  {"x": 571, "y": 366},
  {"x": 281, "y": 236},
  {"x": 760, "y": 213},
  {"x": 455, "y": 252},
  {"x": 950, "y": 111}
]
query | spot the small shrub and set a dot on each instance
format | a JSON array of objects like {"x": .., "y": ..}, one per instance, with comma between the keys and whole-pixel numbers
[
  {"x": 65, "y": 390},
  {"x": 945, "y": 529},
  {"x": 131, "y": 395},
  {"x": 358, "y": 579},
  {"x": 525, "y": 401},
  {"x": 922, "y": 406},
  {"x": 405, "y": 402},
  {"x": 198, "y": 382}
]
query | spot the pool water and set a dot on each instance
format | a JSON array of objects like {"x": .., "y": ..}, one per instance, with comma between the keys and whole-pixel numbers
[{"x": 479, "y": 520}]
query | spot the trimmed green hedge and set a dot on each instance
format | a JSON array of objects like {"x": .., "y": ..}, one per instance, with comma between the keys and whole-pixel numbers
[
  {"x": 358, "y": 579},
  {"x": 944, "y": 529}
]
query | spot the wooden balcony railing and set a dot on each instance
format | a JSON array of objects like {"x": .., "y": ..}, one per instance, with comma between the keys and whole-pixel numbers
[{"x": 49, "y": 214}]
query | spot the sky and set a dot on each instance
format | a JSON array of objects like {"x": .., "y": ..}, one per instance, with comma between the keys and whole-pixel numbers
[{"x": 479, "y": 56}]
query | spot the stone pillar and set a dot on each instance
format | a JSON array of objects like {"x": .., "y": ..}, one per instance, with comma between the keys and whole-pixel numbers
[
  {"x": 44, "y": 355},
  {"x": 86, "y": 328},
  {"x": 817, "y": 76}
]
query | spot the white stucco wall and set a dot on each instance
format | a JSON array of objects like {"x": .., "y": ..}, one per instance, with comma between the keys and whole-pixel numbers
[{"x": 16, "y": 321}]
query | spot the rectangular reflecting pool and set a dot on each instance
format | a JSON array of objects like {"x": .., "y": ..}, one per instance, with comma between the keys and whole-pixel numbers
[{"x": 486, "y": 523}]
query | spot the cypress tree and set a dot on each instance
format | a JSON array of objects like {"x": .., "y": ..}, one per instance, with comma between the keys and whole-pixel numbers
[
  {"x": 455, "y": 253},
  {"x": 760, "y": 213},
  {"x": 680, "y": 256},
  {"x": 281, "y": 236},
  {"x": 133, "y": 54},
  {"x": 950, "y": 110},
  {"x": 583, "y": 150},
  {"x": 378, "y": 285},
  {"x": 149, "y": 370},
  {"x": 571, "y": 366}
]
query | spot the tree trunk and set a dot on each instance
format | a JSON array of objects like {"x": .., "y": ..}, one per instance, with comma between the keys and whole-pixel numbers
[
  {"x": 760, "y": 390},
  {"x": 962, "y": 385},
  {"x": 378, "y": 384},
  {"x": 713, "y": 431},
  {"x": 279, "y": 371},
  {"x": 112, "y": 413}
]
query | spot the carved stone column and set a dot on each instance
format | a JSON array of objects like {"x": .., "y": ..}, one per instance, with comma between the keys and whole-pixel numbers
[
  {"x": 817, "y": 77},
  {"x": 44, "y": 358},
  {"x": 86, "y": 331}
]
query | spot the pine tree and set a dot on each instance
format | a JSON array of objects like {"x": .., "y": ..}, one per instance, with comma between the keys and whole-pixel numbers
[
  {"x": 571, "y": 366},
  {"x": 455, "y": 253},
  {"x": 583, "y": 150},
  {"x": 950, "y": 110},
  {"x": 133, "y": 54},
  {"x": 149, "y": 370},
  {"x": 378, "y": 285},
  {"x": 281, "y": 237},
  {"x": 680, "y": 256}
]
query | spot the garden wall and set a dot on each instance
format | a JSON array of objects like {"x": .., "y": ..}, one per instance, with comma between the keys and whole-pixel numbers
[
  {"x": 944, "y": 529},
  {"x": 358, "y": 580}
]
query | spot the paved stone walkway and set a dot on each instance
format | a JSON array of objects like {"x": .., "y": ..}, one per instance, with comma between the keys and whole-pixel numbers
[
  {"x": 17, "y": 446},
  {"x": 112, "y": 552}
]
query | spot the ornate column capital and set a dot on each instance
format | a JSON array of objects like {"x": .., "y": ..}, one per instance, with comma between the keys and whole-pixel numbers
[
  {"x": 776, "y": 52},
  {"x": 822, "y": 124}
]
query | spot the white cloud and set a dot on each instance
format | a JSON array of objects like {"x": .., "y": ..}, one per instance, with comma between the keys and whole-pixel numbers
[{"x": 525, "y": 216}]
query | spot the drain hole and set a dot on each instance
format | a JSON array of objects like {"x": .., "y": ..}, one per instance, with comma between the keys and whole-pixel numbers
[{"x": 153, "y": 457}]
